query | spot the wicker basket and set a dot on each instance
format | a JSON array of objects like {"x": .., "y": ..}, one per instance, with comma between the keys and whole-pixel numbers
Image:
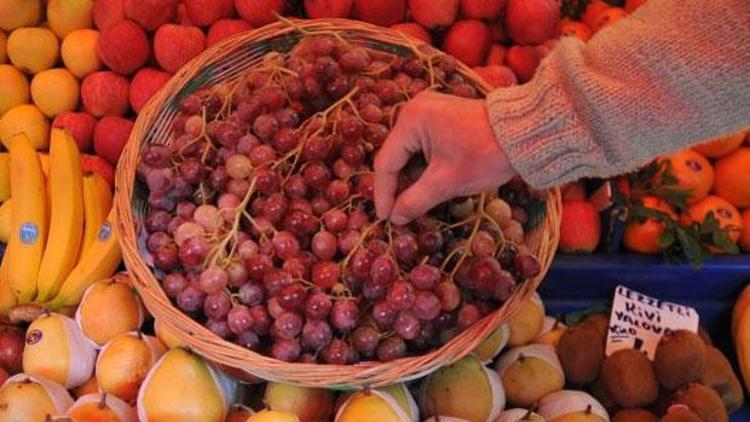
[{"x": 229, "y": 60}]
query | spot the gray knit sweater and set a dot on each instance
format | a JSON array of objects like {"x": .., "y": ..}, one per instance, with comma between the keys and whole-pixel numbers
[{"x": 673, "y": 73}]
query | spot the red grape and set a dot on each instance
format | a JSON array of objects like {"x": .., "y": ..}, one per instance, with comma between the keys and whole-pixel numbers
[
  {"x": 448, "y": 294},
  {"x": 316, "y": 335},
  {"x": 286, "y": 350},
  {"x": 405, "y": 248},
  {"x": 173, "y": 284},
  {"x": 287, "y": 325},
  {"x": 335, "y": 221},
  {"x": 326, "y": 274},
  {"x": 391, "y": 348},
  {"x": 324, "y": 245},
  {"x": 251, "y": 294},
  {"x": 384, "y": 313},
  {"x": 213, "y": 280},
  {"x": 295, "y": 187},
  {"x": 285, "y": 244},
  {"x": 344, "y": 315},
  {"x": 217, "y": 305},
  {"x": 337, "y": 352},
  {"x": 424, "y": 276},
  {"x": 383, "y": 270},
  {"x": 467, "y": 316},
  {"x": 292, "y": 297},
  {"x": 190, "y": 299},
  {"x": 365, "y": 340},
  {"x": 427, "y": 306},
  {"x": 318, "y": 306}
]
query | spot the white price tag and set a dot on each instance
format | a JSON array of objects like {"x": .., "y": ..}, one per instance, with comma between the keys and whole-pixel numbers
[{"x": 638, "y": 321}]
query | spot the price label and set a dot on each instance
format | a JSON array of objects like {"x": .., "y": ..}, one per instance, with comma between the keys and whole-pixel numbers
[{"x": 638, "y": 321}]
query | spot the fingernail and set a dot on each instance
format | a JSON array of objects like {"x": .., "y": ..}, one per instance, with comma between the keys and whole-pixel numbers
[{"x": 399, "y": 220}]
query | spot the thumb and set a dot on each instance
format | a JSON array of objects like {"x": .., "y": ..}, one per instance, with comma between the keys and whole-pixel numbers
[{"x": 427, "y": 192}]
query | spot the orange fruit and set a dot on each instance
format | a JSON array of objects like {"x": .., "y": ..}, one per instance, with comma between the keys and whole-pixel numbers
[
  {"x": 693, "y": 172},
  {"x": 607, "y": 18},
  {"x": 745, "y": 238},
  {"x": 733, "y": 177},
  {"x": 573, "y": 28},
  {"x": 727, "y": 214},
  {"x": 646, "y": 237},
  {"x": 720, "y": 147},
  {"x": 592, "y": 12}
]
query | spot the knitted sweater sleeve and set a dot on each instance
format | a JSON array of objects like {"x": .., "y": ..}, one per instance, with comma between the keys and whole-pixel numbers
[{"x": 673, "y": 73}]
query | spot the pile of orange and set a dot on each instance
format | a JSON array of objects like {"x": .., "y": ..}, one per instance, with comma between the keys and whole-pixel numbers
[{"x": 717, "y": 173}]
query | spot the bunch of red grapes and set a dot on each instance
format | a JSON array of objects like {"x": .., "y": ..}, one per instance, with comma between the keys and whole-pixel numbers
[{"x": 262, "y": 226}]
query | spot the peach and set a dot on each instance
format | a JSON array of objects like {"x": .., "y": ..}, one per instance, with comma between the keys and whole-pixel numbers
[
  {"x": 19, "y": 13},
  {"x": 482, "y": 9},
  {"x": 497, "y": 76},
  {"x": 26, "y": 118},
  {"x": 33, "y": 49},
  {"x": 79, "y": 53},
  {"x": 580, "y": 228},
  {"x": 259, "y": 12},
  {"x": 144, "y": 85},
  {"x": 225, "y": 28},
  {"x": 108, "y": 13},
  {"x": 110, "y": 136},
  {"x": 523, "y": 60},
  {"x": 496, "y": 55},
  {"x": 468, "y": 41},
  {"x": 3, "y": 47},
  {"x": 109, "y": 308},
  {"x": 79, "y": 125},
  {"x": 55, "y": 91},
  {"x": 14, "y": 88},
  {"x": 123, "y": 47},
  {"x": 383, "y": 12},
  {"x": 206, "y": 12},
  {"x": 65, "y": 16},
  {"x": 414, "y": 30},
  {"x": 318, "y": 9},
  {"x": 175, "y": 45},
  {"x": 434, "y": 13},
  {"x": 124, "y": 362},
  {"x": 150, "y": 14},
  {"x": 105, "y": 93}
]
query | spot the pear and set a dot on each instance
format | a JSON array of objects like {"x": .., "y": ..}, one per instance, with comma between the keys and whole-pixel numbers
[
  {"x": 719, "y": 375},
  {"x": 57, "y": 349},
  {"x": 572, "y": 406},
  {"x": 167, "y": 335},
  {"x": 373, "y": 405},
  {"x": 273, "y": 416},
  {"x": 32, "y": 398},
  {"x": 400, "y": 392},
  {"x": 123, "y": 363},
  {"x": 519, "y": 415},
  {"x": 88, "y": 387},
  {"x": 108, "y": 308},
  {"x": 309, "y": 404},
  {"x": 101, "y": 407},
  {"x": 465, "y": 389},
  {"x": 527, "y": 322},
  {"x": 181, "y": 386},
  {"x": 493, "y": 344},
  {"x": 529, "y": 373}
]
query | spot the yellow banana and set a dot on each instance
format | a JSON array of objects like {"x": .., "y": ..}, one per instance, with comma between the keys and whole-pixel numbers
[
  {"x": 742, "y": 303},
  {"x": 742, "y": 344},
  {"x": 97, "y": 201},
  {"x": 66, "y": 214},
  {"x": 7, "y": 298},
  {"x": 4, "y": 176},
  {"x": 99, "y": 262},
  {"x": 5, "y": 210},
  {"x": 28, "y": 218}
]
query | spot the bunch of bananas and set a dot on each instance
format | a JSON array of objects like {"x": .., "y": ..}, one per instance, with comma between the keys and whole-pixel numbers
[{"x": 59, "y": 226}]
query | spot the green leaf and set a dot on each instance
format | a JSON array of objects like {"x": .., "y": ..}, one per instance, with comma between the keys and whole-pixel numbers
[
  {"x": 667, "y": 239},
  {"x": 693, "y": 249}
]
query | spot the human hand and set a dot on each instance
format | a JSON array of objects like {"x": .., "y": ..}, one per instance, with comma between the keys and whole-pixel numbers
[{"x": 456, "y": 139}]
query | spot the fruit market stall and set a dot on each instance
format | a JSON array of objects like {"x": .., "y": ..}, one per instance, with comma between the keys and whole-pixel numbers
[{"x": 188, "y": 232}]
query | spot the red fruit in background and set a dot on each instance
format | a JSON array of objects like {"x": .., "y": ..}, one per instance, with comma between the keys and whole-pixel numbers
[
  {"x": 468, "y": 41},
  {"x": 592, "y": 12},
  {"x": 146, "y": 82},
  {"x": 573, "y": 191},
  {"x": 523, "y": 60},
  {"x": 259, "y": 12},
  {"x": 12, "y": 340},
  {"x": 150, "y": 14},
  {"x": 531, "y": 22},
  {"x": 318, "y": 9},
  {"x": 496, "y": 55},
  {"x": 175, "y": 45},
  {"x": 79, "y": 125},
  {"x": 607, "y": 18},
  {"x": 206, "y": 12},
  {"x": 580, "y": 227},
  {"x": 482, "y": 9},
  {"x": 100, "y": 166},
  {"x": 499, "y": 35},
  {"x": 573, "y": 28},
  {"x": 380, "y": 12},
  {"x": 110, "y": 136},
  {"x": 107, "y": 13},
  {"x": 632, "y": 5},
  {"x": 546, "y": 48},
  {"x": 105, "y": 94},
  {"x": 225, "y": 28},
  {"x": 123, "y": 47},
  {"x": 413, "y": 29},
  {"x": 434, "y": 13},
  {"x": 497, "y": 76},
  {"x": 182, "y": 17}
]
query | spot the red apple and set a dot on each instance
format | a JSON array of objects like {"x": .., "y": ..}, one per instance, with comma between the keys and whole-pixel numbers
[
  {"x": 523, "y": 60},
  {"x": 496, "y": 55},
  {"x": 531, "y": 22},
  {"x": 107, "y": 13},
  {"x": 225, "y": 28},
  {"x": 150, "y": 14},
  {"x": 434, "y": 13},
  {"x": 123, "y": 47},
  {"x": 182, "y": 15},
  {"x": 468, "y": 41},
  {"x": 318, "y": 9},
  {"x": 110, "y": 136},
  {"x": 105, "y": 93},
  {"x": 497, "y": 76},
  {"x": 413, "y": 29},
  {"x": 380, "y": 12},
  {"x": 482, "y": 9},
  {"x": 206, "y": 12},
  {"x": 144, "y": 85},
  {"x": 79, "y": 125},
  {"x": 12, "y": 341},
  {"x": 259, "y": 12},
  {"x": 580, "y": 228},
  {"x": 573, "y": 191},
  {"x": 175, "y": 45},
  {"x": 100, "y": 166}
]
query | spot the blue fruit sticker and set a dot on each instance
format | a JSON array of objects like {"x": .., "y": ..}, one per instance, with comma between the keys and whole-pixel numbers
[
  {"x": 33, "y": 337},
  {"x": 28, "y": 234},
  {"x": 105, "y": 232}
]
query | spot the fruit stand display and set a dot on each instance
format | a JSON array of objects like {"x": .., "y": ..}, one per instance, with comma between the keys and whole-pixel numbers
[{"x": 238, "y": 271}]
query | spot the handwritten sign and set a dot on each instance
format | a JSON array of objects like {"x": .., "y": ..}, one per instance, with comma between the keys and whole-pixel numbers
[{"x": 638, "y": 321}]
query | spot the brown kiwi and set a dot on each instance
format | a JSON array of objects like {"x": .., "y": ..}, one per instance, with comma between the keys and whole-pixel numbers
[
  {"x": 597, "y": 390},
  {"x": 702, "y": 400},
  {"x": 679, "y": 359},
  {"x": 581, "y": 349},
  {"x": 719, "y": 375},
  {"x": 705, "y": 336},
  {"x": 681, "y": 414},
  {"x": 635, "y": 415},
  {"x": 629, "y": 379}
]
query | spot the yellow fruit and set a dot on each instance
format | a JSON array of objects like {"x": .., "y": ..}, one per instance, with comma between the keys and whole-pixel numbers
[
  {"x": 569, "y": 406},
  {"x": 7, "y": 297},
  {"x": 527, "y": 322},
  {"x": 33, "y": 49},
  {"x": 17, "y": 13},
  {"x": 3, "y": 50},
  {"x": 28, "y": 219},
  {"x": 4, "y": 177},
  {"x": 79, "y": 54},
  {"x": 273, "y": 416},
  {"x": 492, "y": 345},
  {"x": 89, "y": 387},
  {"x": 97, "y": 202},
  {"x": 100, "y": 408},
  {"x": 55, "y": 91},
  {"x": 56, "y": 349},
  {"x": 108, "y": 309},
  {"x": 26, "y": 119},
  {"x": 742, "y": 345},
  {"x": 64, "y": 16},
  {"x": 529, "y": 373},
  {"x": 31, "y": 398},
  {"x": 14, "y": 87},
  {"x": 309, "y": 404},
  {"x": 165, "y": 334},
  {"x": 742, "y": 303},
  {"x": 5, "y": 212},
  {"x": 123, "y": 363},
  {"x": 374, "y": 405}
]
